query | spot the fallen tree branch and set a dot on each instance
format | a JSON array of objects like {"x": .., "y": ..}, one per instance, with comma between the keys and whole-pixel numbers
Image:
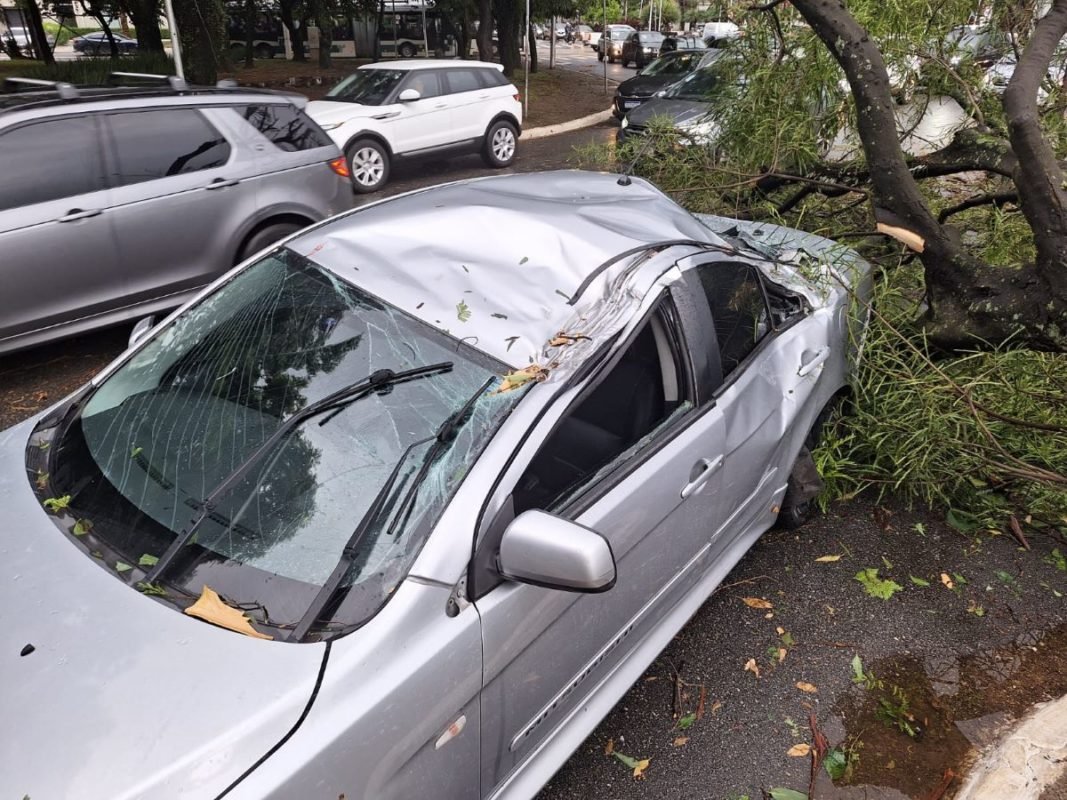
[{"x": 996, "y": 199}]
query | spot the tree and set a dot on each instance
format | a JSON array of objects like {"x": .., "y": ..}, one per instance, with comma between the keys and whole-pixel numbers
[
  {"x": 145, "y": 17},
  {"x": 202, "y": 28},
  {"x": 294, "y": 16},
  {"x": 35, "y": 27},
  {"x": 322, "y": 11}
]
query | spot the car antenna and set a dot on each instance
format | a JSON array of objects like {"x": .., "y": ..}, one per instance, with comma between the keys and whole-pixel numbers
[{"x": 624, "y": 178}]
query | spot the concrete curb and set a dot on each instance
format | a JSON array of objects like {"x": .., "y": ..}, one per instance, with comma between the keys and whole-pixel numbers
[
  {"x": 566, "y": 127},
  {"x": 1025, "y": 761}
]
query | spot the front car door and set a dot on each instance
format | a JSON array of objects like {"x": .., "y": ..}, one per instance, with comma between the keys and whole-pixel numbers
[
  {"x": 57, "y": 248},
  {"x": 423, "y": 123},
  {"x": 635, "y": 454}
]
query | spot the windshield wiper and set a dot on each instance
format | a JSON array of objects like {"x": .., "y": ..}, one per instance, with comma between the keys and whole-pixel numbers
[
  {"x": 376, "y": 381},
  {"x": 446, "y": 434}
]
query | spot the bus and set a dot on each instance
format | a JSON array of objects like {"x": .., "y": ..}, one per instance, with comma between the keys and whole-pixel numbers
[
  {"x": 413, "y": 29},
  {"x": 268, "y": 36}
]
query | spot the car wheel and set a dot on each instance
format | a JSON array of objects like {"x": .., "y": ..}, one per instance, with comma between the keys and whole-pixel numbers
[
  {"x": 500, "y": 144},
  {"x": 368, "y": 163},
  {"x": 795, "y": 516},
  {"x": 263, "y": 51},
  {"x": 265, "y": 237},
  {"x": 406, "y": 50}
]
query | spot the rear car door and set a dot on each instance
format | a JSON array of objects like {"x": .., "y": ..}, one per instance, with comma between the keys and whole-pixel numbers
[
  {"x": 181, "y": 191},
  {"x": 637, "y": 458},
  {"x": 470, "y": 100},
  {"x": 57, "y": 246},
  {"x": 426, "y": 122}
]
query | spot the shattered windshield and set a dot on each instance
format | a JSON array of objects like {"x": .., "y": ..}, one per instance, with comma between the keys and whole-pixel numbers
[{"x": 151, "y": 448}]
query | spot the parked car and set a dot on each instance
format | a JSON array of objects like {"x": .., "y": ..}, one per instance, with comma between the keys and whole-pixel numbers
[
  {"x": 582, "y": 33},
  {"x": 641, "y": 47},
  {"x": 679, "y": 41},
  {"x": 22, "y": 39},
  {"x": 611, "y": 42},
  {"x": 661, "y": 73},
  {"x": 314, "y": 534},
  {"x": 719, "y": 31},
  {"x": 983, "y": 44},
  {"x": 168, "y": 188},
  {"x": 97, "y": 44},
  {"x": 395, "y": 110}
]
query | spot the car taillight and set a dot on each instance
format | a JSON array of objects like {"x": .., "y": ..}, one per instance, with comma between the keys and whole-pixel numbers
[{"x": 340, "y": 166}]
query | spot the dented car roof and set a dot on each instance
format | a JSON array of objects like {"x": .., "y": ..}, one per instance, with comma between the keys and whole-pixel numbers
[{"x": 497, "y": 261}]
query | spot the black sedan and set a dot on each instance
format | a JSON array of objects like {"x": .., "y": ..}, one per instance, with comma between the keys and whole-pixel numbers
[
  {"x": 97, "y": 44},
  {"x": 661, "y": 73},
  {"x": 641, "y": 47}
]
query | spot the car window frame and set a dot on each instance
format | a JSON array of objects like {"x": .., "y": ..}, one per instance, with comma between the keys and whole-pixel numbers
[
  {"x": 441, "y": 84},
  {"x": 480, "y": 85},
  {"x": 681, "y": 323}
]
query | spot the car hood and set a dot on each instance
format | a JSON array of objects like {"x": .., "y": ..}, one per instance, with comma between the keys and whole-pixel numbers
[
  {"x": 111, "y": 694},
  {"x": 646, "y": 85},
  {"x": 326, "y": 112},
  {"x": 679, "y": 111}
]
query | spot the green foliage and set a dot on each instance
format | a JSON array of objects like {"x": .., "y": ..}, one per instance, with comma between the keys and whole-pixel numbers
[
  {"x": 57, "y": 504},
  {"x": 882, "y": 588}
]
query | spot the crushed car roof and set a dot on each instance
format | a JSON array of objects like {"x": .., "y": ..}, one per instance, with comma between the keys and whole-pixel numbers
[{"x": 495, "y": 261}]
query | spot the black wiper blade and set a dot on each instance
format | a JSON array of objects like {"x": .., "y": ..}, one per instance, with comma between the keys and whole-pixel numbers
[
  {"x": 376, "y": 381},
  {"x": 442, "y": 439}
]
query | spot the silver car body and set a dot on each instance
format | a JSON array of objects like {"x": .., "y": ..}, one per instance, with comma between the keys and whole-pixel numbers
[
  {"x": 450, "y": 690},
  {"x": 74, "y": 263}
]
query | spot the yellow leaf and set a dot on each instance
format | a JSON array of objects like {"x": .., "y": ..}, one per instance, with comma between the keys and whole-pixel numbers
[
  {"x": 804, "y": 686},
  {"x": 716, "y": 706},
  {"x": 779, "y": 630},
  {"x": 210, "y": 608},
  {"x": 755, "y": 602},
  {"x": 799, "y": 750},
  {"x": 945, "y": 579},
  {"x": 609, "y": 748},
  {"x": 828, "y": 559},
  {"x": 639, "y": 770},
  {"x": 751, "y": 666},
  {"x": 781, "y": 654},
  {"x": 680, "y": 741},
  {"x": 520, "y": 377}
]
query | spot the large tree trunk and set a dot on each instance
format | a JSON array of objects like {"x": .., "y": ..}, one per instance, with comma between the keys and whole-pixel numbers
[
  {"x": 323, "y": 12},
  {"x": 968, "y": 300},
  {"x": 250, "y": 33},
  {"x": 485, "y": 30},
  {"x": 296, "y": 31},
  {"x": 145, "y": 17},
  {"x": 532, "y": 46},
  {"x": 202, "y": 30},
  {"x": 35, "y": 28},
  {"x": 509, "y": 27}
]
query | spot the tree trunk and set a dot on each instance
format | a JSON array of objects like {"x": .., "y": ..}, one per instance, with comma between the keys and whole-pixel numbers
[
  {"x": 250, "y": 32},
  {"x": 35, "y": 29},
  {"x": 508, "y": 28},
  {"x": 968, "y": 301},
  {"x": 485, "y": 30},
  {"x": 323, "y": 13},
  {"x": 533, "y": 49},
  {"x": 145, "y": 17},
  {"x": 296, "y": 32},
  {"x": 202, "y": 28}
]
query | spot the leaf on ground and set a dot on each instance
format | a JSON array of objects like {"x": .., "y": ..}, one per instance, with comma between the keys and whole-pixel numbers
[
  {"x": 147, "y": 560},
  {"x": 609, "y": 748},
  {"x": 975, "y": 608},
  {"x": 756, "y": 602},
  {"x": 680, "y": 741},
  {"x": 686, "y": 722},
  {"x": 799, "y": 750},
  {"x": 962, "y": 521},
  {"x": 918, "y": 581},
  {"x": 463, "y": 312},
  {"x": 887, "y": 562},
  {"x": 828, "y": 559},
  {"x": 82, "y": 527},
  {"x": 804, "y": 686},
  {"x": 639, "y": 770},
  {"x": 835, "y": 764},
  {"x": 962, "y": 581},
  {"x": 882, "y": 588},
  {"x": 751, "y": 666},
  {"x": 782, "y": 652},
  {"x": 857, "y": 668},
  {"x": 945, "y": 579},
  {"x": 787, "y": 794},
  {"x": 625, "y": 759},
  {"x": 1057, "y": 559}
]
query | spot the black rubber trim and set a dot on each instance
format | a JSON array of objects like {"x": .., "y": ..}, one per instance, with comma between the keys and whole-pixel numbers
[{"x": 292, "y": 730}]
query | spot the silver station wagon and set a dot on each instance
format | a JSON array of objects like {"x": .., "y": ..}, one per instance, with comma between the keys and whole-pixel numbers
[{"x": 400, "y": 511}]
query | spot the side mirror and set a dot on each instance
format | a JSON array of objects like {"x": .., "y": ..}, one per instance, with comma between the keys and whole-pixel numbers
[
  {"x": 409, "y": 95},
  {"x": 140, "y": 330},
  {"x": 544, "y": 550}
]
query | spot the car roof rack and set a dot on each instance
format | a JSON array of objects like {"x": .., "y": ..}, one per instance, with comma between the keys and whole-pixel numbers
[
  {"x": 175, "y": 82},
  {"x": 65, "y": 91}
]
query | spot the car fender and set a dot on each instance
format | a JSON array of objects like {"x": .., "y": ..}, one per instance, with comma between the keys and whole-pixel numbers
[
  {"x": 267, "y": 213},
  {"x": 368, "y": 133},
  {"x": 505, "y": 115}
]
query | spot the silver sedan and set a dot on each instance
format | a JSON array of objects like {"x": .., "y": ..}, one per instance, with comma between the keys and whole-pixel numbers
[{"x": 402, "y": 506}]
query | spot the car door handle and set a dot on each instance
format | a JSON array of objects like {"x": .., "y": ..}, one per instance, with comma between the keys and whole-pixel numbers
[
  {"x": 809, "y": 363},
  {"x": 386, "y": 115},
  {"x": 220, "y": 183},
  {"x": 77, "y": 213},
  {"x": 441, "y": 105},
  {"x": 704, "y": 469}
]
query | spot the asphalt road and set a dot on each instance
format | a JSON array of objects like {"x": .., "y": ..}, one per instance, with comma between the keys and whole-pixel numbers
[
  {"x": 964, "y": 659},
  {"x": 581, "y": 58}
]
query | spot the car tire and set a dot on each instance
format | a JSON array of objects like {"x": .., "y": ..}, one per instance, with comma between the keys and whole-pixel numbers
[
  {"x": 406, "y": 50},
  {"x": 792, "y": 517},
  {"x": 265, "y": 237},
  {"x": 501, "y": 142},
  {"x": 263, "y": 51},
  {"x": 368, "y": 163}
]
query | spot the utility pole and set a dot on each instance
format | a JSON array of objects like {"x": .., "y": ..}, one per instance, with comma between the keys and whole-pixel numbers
[{"x": 175, "y": 45}]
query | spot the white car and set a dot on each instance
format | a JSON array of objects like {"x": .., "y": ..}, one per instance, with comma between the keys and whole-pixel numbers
[{"x": 403, "y": 109}]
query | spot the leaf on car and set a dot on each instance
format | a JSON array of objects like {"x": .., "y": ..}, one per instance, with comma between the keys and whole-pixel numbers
[
  {"x": 801, "y": 750},
  {"x": 82, "y": 527},
  {"x": 781, "y": 793},
  {"x": 828, "y": 559},
  {"x": 147, "y": 560},
  {"x": 756, "y": 602},
  {"x": 151, "y": 589},
  {"x": 56, "y": 504},
  {"x": 945, "y": 579},
  {"x": 804, "y": 686},
  {"x": 521, "y": 377},
  {"x": 918, "y": 581},
  {"x": 524, "y": 260},
  {"x": 210, "y": 608},
  {"x": 498, "y": 315},
  {"x": 136, "y": 452},
  {"x": 882, "y": 588},
  {"x": 42, "y": 480},
  {"x": 463, "y": 312},
  {"x": 686, "y": 722},
  {"x": 752, "y": 666},
  {"x": 562, "y": 338}
]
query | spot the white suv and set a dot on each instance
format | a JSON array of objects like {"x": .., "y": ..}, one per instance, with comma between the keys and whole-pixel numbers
[{"x": 402, "y": 109}]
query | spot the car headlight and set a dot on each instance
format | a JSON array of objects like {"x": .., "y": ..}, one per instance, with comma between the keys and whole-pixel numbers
[{"x": 329, "y": 126}]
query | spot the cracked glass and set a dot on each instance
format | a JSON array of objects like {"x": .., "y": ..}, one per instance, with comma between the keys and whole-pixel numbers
[{"x": 167, "y": 428}]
